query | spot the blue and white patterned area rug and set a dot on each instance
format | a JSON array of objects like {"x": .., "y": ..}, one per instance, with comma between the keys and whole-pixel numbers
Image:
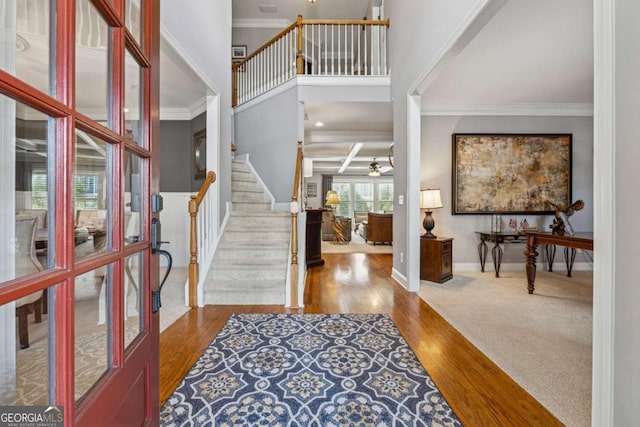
[{"x": 308, "y": 370}]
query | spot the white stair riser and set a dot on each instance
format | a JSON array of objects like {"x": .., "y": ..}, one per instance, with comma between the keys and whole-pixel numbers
[
  {"x": 245, "y": 298},
  {"x": 249, "y": 273}
]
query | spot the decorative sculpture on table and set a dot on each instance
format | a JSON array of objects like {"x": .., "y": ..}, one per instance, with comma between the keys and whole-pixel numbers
[{"x": 561, "y": 223}]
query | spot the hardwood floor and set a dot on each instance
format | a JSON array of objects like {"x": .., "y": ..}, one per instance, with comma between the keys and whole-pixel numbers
[{"x": 479, "y": 392}]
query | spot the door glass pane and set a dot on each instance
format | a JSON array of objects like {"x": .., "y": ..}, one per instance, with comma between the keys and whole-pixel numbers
[
  {"x": 132, "y": 99},
  {"x": 92, "y": 346},
  {"x": 24, "y": 351},
  {"x": 27, "y": 222},
  {"x": 133, "y": 297},
  {"x": 90, "y": 188},
  {"x": 133, "y": 18},
  {"x": 132, "y": 199},
  {"x": 385, "y": 196},
  {"x": 92, "y": 67},
  {"x": 25, "y": 27}
]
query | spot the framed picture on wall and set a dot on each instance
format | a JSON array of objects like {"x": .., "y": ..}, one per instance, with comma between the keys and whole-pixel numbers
[
  {"x": 238, "y": 52},
  {"x": 199, "y": 154},
  {"x": 514, "y": 173},
  {"x": 312, "y": 189}
]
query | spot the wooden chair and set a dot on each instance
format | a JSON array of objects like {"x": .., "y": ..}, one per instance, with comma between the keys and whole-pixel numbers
[{"x": 26, "y": 263}]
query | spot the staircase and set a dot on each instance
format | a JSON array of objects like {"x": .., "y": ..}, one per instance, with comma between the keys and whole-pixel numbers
[{"x": 251, "y": 261}]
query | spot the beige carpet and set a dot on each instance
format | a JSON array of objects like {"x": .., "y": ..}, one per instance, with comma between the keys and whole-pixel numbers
[
  {"x": 356, "y": 245},
  {"x": 543, "y": 341}
]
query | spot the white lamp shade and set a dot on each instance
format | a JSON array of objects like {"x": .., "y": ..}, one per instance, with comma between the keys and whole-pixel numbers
[
  {"x": 430, "y": 199},
  {"x": 307, "y": 166}
]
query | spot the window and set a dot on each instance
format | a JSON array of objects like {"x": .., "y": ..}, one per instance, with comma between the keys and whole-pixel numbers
[
  {"x": 39, "y": 190},
  {"x": 344, "y": 194},
  {"x": 385, "y": 196},
  {"x": 369, "y": 195},
  {"x": 364, "y": 196},
  {"x": 86, "y": 191}
]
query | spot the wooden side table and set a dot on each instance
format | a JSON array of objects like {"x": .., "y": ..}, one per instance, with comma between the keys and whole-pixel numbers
[
  {"x": 436, "y": 259},
  {"x": 339, "y": 227}
]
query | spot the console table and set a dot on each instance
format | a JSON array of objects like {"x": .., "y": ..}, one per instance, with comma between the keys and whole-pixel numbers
[
  {"x": 314, "y": 243},
  {"x": 496, "y": 252},
  {"x": 577, "y": 241}
]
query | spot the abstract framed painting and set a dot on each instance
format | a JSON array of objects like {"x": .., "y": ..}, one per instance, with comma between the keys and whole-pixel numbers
[{"x": 514, "y": 173}]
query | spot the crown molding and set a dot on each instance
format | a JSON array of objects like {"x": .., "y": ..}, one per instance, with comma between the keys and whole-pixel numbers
[
  {"x": 541, "y": 109},
  {"x": 260, "y": 23},
  {"x": 328, "y": 136},
  {"x": 198, "y": 107}
]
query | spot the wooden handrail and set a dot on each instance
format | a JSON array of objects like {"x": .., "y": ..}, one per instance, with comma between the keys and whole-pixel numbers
[
  {"x": 194, "y": 268},
  {"x": 300, "y": 63},
  {"x": 345, "y": 22},
  {"x": 300, "y": 22},
  {"x": 294, "y": 227},
  {"x": 274, "y": 39},
  {"x": 298, "y": 174}
]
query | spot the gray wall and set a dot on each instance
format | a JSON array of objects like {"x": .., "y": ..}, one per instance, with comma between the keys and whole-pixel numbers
[
  {"x": 197, "y": 124},
  {"x": 253, "y": 38},
  {"x": 269, "y": 132},
  {"x": 626, "y": 159},
  {"x": 436, "y": 161},
  {"x": 176, "y": 154}
]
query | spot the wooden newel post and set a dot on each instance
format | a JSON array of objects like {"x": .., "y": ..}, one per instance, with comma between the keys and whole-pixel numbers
[
  {"x": 234, "y": 92},
  {"x": 194, "y": 269},
  {"x": 299, "y": 58}
]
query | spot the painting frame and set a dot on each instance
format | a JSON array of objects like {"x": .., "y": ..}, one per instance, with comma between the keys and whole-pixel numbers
[
  {"x": 238, "y": 52},
  {"x": 510, "y": 172},
  {"x": 199, "y": 154}
]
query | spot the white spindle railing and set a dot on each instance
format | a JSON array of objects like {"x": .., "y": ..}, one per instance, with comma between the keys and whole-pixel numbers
[
  {"x": 202, "y": 241},
  {"x": 313, "y": 47}
]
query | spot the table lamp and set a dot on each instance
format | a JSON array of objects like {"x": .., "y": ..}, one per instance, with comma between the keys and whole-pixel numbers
[
  {"x": 332, "y": 199},
  {"x": 429, "y": 200}
]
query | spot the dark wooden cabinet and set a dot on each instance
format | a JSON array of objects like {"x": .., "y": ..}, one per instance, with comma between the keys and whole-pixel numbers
[
  {"x": 314, "y": 240},
  {"x": 436, "y": 259}
]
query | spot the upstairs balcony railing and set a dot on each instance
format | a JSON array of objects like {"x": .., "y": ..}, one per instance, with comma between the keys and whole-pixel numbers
[{"x": 314, "y": 48}]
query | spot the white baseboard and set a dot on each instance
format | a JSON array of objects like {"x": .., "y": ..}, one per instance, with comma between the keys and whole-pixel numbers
[
  {"x": 399, "y": 277},
  {"x": 519, "y": 266}
]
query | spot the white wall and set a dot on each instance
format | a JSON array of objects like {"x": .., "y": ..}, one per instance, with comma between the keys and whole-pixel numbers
[
  {"x": 318, "y": 201},
  {"x": 176, "y": 221},
  {"x": 436, "y": 161},
  {"x": 411, "y": 53},
  {"x": 626, "y": 226},
  {"x": 203, "y": 30}
]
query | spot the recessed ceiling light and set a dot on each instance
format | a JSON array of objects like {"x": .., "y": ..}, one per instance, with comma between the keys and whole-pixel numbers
[{"x": 319, "y": 124}]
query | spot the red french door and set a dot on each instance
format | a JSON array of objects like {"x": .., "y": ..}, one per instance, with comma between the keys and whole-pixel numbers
[{"x": 79, "y": 98}]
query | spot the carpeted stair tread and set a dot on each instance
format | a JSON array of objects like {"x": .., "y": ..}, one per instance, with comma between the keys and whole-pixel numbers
[
  {"x": 250, "y": 264},
  {"x": 257, "y": 273}
]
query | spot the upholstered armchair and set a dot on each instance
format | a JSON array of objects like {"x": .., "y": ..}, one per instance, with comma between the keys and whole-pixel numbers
[
  {"x": 378, "y": 228},
  {"x": 26, "y": 263}
]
